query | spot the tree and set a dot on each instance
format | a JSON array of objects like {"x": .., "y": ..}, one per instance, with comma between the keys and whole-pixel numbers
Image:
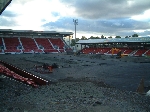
[
  {"x": 135, "y": 35},
  {"x": 110, "y": 37},
  {"x": 117, "y": 37},
  {"x": 102, "y": 37},
  {"x": 126, "y": 37},
  {"x": 73, "y": 41},
  {"x": 83, "y": 38},
  {"x": 91, "y": 37},
  {"x": 94, "y": 37},
  {"x": 97, "y": 37},
  {"x": 77, "y": 39}
]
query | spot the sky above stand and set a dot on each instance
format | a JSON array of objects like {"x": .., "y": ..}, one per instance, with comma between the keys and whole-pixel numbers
[{"x": 95, "y": 17}]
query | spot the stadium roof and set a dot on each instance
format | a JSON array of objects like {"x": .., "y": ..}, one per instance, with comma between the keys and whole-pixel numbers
[
  {"x": 115, "y": 40},
  {"x": 4, "y": 4},
  {"x": 31, "y": 32}
]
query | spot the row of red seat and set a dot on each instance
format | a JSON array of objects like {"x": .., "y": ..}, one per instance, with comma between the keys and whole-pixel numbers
[
  {"x": 23, "y": 73},
  {"x": 138, "y": 52},
  {"x": 30, "y": 45},
  {"x": 141, "y": 52},
  {"x": 11, "y": 74},
  {"x": 57, "y": 42}
]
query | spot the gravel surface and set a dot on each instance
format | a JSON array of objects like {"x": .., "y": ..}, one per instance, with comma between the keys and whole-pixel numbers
[{"x": 86, "y": 83}]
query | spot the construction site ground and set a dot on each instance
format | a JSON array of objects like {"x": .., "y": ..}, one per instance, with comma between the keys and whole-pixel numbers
[{"x": 86, "y": 83}]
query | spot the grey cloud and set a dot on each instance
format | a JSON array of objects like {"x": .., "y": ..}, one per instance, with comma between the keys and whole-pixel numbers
[
  {"x": 7, "y": 22},
  {"x": 112, "y": 26},
  {"x": 55, "y": 14},
  {"x": 64, "y": 23},
  {"x": 7, "y": 18},
  {"x": 94, "y": 9},
  {"x": 108, "y": 17},
  {"x": 130, "y": 33},
  {"x": 9, "y": 14},
  {"x": 120, "y": 27},
  {"x": 21, "y": 1},
  {"x": 144, "y": 33}
]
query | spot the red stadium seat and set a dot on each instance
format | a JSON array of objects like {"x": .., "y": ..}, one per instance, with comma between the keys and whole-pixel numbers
[
  {"x": 58, "y": 42},
  {"x": 11, "y": 44},
  {"x": 44, "y": 42},
  {"x": 140, "y": 52}
]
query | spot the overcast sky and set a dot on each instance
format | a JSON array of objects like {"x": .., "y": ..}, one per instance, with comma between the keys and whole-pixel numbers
[{"x": 95, "y": 17}]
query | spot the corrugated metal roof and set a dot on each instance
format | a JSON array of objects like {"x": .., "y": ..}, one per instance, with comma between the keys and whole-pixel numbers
[
  {"x": 35, "y": 32},
  {"x": 115, "y": 40}
]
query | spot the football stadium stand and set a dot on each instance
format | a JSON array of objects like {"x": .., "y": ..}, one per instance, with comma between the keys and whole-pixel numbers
[
  {"x": 28, "y": 41},
  {"x": 136, "y": 46}
]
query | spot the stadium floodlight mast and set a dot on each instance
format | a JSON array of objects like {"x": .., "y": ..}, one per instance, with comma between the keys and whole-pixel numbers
[{"x": 75, "y": 23}]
